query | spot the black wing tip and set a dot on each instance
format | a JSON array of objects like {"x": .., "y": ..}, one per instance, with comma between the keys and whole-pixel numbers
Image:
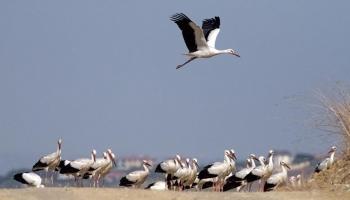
[
  {"x": 179, "y": 17},
  {"x": 125, "y": 182},
  {"x": 268, "y": 187},
  {"x": 212, "y": 22}
]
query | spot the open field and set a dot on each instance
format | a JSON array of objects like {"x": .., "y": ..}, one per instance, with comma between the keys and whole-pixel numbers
[{"x": 130, "y": 194}]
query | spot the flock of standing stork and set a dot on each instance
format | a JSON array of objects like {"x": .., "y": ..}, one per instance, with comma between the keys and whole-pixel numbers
[{"x": 179, "y": 174}]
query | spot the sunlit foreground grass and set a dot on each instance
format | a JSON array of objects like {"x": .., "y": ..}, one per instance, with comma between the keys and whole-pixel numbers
[{"x": 130, "y": 194}]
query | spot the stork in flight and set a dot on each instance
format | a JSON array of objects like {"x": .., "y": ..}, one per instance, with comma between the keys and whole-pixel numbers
[{"x": 200, "y": 41}]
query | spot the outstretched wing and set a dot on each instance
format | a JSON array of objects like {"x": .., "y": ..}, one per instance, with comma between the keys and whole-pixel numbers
[
  {"x": 211, "y": 29},
  {"x": 192, "y": 34}
]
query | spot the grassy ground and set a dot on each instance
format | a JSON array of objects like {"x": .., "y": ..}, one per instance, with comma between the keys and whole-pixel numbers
[{"x": 130, "y": 194}]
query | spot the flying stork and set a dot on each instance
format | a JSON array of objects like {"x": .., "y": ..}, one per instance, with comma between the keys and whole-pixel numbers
[
  {"x": 136, "y": 178},
  {"x": 50, "y": 161},
  {"x": 29, "y": 178},
  {"x": 200, "y": 41},
  {"x": 327, "y": 162},
  {"x": 277, "y": 179}
]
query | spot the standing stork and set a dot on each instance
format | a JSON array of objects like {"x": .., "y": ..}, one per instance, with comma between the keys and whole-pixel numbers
[
  {"x": 169, "y": 167},
  {"x": 94, "y": 170},
  {"x": 108, "y": 167},
  {"x": 29, "y": 178},
  {"x": 327, "y": 162},
  {"x": 183, "y": 174},
  {"x": 194, "y": 170},
  {"x": 136, "y": 178},
  {"x": 79, "y": 167},
  {"x": 237, "y": 179},
  {"x": 49, "y": 162},
  {"x": 277, "y": 179},
  {"x": 257, "y": 173},
  {"x": 218, "y": 170},
  {"x": 200, "y": 41}
]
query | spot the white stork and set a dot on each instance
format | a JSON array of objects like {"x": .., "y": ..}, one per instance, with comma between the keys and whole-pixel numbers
[
  {"x": 108, "y": 167},
  {"x": 200, "y": 41},
  {"x": 327, "y": 162},
  {"x": 169, "y": 167},
  {"x": 237, "y": 179},
  {"x": 136, "y": 178},
  {"x": 269, "y": 166},
  {"x": 158, "y": 186},
  {"x": 94, "y": 170},
  {"x": 218, "y": 170},
  {"x": 257, "y": 173},
  {"x": 29, "y": 178},
  {"x": 183, "y": 174},
  {"x": 194, "y": 170},
  {"x": 277, "y": 179},
  {"x": 49, "y": 162},
  {"x": 79, "y": 167}
]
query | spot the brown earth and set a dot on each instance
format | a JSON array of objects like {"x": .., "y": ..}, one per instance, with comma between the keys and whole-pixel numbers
[{"x": 130, "y": 194}]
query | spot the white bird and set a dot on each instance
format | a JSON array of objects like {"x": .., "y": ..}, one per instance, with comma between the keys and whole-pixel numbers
[
  {"x": 49, "y": 162},
  {"x": 108, "y": 167},
  {"x": 169, "y": 167},
  {"x": 94, "y": 170},
  {"x": 218, "y": 170},
  {"x": 136, "y": 178},
  {"x": 257, "y": 173},
  {"x": 237, "y": 179},
  {"x": 183, "y": 174},
  {"x": 79, "y": 167},
  {"x": 327, "y": 162},
  {"x": 269, "y": 166},
  {"x": 200, "y": 41},
  {"x": 194, "y": 170},
  {"x": 29, "y": 178},
  {"x": 277, "y": 179},
  {"x": 158, "y": 186}
]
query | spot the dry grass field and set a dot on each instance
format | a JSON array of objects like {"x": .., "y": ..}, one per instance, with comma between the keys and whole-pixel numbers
[{"x": 130, "y": 194}]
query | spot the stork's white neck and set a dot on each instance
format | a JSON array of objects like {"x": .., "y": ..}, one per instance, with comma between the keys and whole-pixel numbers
[
  {"x": 262, "y": 163},
  {"x": 331, "y": 157},
  {"x": 145, "y": 168},
  {"x": 58, "y": 149},
  {"x": 227, "y": 159},
  {"x": 270, "y": 164},
  {"x": 222, "y": 51},
  {"x": 284, "y": 169},
  {"x": 253, "y": 163}
]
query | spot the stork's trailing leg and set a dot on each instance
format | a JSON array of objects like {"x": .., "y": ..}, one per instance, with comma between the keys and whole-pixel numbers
[{"x": 189, "y": 60}]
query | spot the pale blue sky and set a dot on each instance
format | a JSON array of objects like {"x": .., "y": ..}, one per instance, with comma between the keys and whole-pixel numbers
[{"x": 102, "y": 74}]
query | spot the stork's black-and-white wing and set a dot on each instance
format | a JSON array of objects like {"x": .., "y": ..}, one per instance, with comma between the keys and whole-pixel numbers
[
  {"x": 192, "y": 34},
  {"x": 211, "y": 29},
  {"x": 322, "y": 165}
]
